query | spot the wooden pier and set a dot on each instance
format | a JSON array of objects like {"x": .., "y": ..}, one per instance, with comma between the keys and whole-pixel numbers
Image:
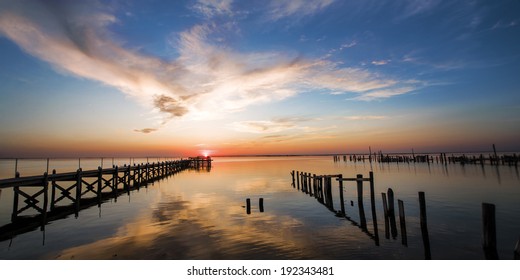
[{"x": 55, "y": 195}]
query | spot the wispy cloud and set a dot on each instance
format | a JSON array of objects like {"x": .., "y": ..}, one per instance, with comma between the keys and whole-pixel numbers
[
  {"x": 204, "y": 80},
  {"x": 417, "y": 7},
  {"x": 211, "y": 8},
  {"x": 365, "y": 118},
  {"x": 501, "y": 24},
  {"x": 380, "y": 62},
  {"x": 272, "y": 126},
  {"x": 384, "y": 93},
  {"x": 348, "y": 45},
  {"x": 298, "y": 8}
]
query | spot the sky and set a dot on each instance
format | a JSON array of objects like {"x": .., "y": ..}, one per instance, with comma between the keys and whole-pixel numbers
[{"x": 184, "y": 78}]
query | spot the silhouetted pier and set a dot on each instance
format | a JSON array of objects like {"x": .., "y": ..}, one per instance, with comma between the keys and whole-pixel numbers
[{"x": 47, "y": 195}]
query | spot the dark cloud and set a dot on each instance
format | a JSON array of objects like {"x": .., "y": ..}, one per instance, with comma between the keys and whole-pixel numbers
[
  {"x": 170, "y": 105},
  {"x": 146, "y": 130}
]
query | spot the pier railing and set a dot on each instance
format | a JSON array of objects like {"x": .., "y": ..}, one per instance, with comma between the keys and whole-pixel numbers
[{"x": 47, "y": 195}]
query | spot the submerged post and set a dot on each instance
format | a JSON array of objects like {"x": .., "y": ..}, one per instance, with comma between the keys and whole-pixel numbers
[
  {"x": 424, "y": 227},
  {"x": 248, "y": 206},
  {"x": 489, "y": 241},
  {"x": 261, "y": 204}
]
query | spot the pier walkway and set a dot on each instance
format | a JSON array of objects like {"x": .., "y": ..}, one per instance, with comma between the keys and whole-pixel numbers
[{"x": 40, "y": 199}]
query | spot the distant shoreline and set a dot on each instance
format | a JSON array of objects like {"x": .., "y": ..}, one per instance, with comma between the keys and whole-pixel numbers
[{"x": 257, "y": 155}]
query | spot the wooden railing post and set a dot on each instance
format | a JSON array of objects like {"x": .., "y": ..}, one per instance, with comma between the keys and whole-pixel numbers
[
  {"x": 115, "y": 181},
  {"x": 78, "y": 190},
  {"x": 53, "y": 189},
  {"x": 45, "y": 199},
  {"x": 99, "y": 184}
]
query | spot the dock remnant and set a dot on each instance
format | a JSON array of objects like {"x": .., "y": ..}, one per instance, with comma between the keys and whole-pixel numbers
[
  {"x": 489, "y": 240},
  {"x": 424, "y": 226},
  {"x": 402, "y": 223}
]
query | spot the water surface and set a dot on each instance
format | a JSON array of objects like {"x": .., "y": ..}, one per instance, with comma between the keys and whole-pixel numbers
[{"x": 202, "y": 215}]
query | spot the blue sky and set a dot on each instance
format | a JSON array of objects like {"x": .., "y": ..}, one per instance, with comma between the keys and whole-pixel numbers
[{"x": 246, "y": 77}]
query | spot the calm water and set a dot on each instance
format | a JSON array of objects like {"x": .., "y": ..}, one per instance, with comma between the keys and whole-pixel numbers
[{"x": 202, "y": 215}]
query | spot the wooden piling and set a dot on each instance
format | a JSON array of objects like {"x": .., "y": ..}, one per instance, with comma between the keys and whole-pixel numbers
[
  {"x": 342, "y": 201},
  {"x": 373, "y": 207},
  {"x": 495, "y": 152},
  {"x": 489, "y": 241},
  {"x": 309, "y": 179},
  {"x": 320, "y": 189},
  {"x": 362, "y": 218},
  {"x": 391, "y": 213},
  {"x": 248, "y": 206},
  {"x": 402, "y": 223},
  {"x": 424, "y": 226},
  {"x": 315, "y": 185},
  {"x": 261, "y": 204},
  {"x": 298, "y": 179},
  {"x": 385, "y": 210}
]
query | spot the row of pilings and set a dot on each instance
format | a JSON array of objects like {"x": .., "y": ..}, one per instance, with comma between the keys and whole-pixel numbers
[
  {"x": 321, "y": 188},
  {"x": 442, "y": 158}
]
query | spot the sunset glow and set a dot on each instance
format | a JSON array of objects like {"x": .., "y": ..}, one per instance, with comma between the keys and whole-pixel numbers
[{"x": 208, "y": 77}]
